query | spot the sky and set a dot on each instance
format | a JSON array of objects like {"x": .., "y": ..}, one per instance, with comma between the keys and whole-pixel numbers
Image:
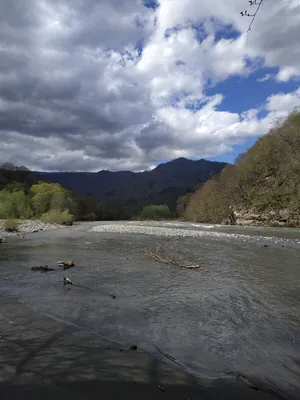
[{"x": 88, "y": 85}]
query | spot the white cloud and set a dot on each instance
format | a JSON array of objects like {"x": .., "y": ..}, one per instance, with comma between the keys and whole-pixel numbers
[
  {"x": 77, "y": 93},
  {"x": 265, "y": 78}
]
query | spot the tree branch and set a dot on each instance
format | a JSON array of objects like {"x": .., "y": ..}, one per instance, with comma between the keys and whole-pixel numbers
[{"x": 245, "y": 13}]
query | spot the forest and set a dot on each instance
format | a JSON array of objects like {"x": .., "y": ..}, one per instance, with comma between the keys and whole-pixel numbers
[{"x": 265, "y": 179}]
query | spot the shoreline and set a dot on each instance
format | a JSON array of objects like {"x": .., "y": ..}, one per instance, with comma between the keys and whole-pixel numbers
[
  {"x": 27, "y": 227},
  {"x": 41, "y": 356}
]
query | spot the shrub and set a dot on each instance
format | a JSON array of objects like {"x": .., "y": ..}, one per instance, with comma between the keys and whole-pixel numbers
[
  {"x": 155, "y": 212},
  {"x": 58, "y": 217},
  {"x": 11, "y": 225}
]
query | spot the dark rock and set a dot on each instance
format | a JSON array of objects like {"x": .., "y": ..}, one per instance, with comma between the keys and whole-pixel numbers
[
  {"x": 121, "y": 349},
  {"x": 133, "y": 347},
  {"x": 113, "y": 296},
  {"x": 161, "y": 388},
  {"x": 42, "y": 268}
]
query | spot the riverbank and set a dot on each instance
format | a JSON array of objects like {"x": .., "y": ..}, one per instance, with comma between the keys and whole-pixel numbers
[
  {"x": 43, "y": 358},
  {"x": 28, "y": 226}
]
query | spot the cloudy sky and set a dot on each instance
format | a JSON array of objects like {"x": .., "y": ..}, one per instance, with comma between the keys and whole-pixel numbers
[{"x": 105, "y": 84}]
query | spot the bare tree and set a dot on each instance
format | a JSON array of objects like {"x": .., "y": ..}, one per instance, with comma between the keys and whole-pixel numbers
[{"x": 258, "y": 4}]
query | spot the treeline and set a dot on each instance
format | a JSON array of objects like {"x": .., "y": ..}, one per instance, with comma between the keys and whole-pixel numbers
[
  {"x": 49, "y": 202},
  {"x": 155, "y": 212},
  {"x": 22, "y": 196},
  {"x": 265, "y": 179}
]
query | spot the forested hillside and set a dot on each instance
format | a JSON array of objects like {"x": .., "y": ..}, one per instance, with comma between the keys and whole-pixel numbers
[
  {"x": 23, "y": 196},
  {"x": 126, "y": 193},
  {"x": 262, "y": 188}
]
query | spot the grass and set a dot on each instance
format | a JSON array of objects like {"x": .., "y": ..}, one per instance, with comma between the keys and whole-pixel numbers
[
  {"x": 11, "y": 225},
  {"x": 58, "y": 217}
]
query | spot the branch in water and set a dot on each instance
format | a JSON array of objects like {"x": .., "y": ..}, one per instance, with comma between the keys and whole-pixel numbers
[{"x": 167, "y": 258}]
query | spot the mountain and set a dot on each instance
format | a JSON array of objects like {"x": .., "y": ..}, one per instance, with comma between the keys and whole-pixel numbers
[{"x": 131, "y": 191}]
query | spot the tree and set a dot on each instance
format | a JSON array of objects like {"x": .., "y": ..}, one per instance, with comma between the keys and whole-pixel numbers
[
  {"x": 48, "y": 195},
  {"x": 15, "y": 204}
]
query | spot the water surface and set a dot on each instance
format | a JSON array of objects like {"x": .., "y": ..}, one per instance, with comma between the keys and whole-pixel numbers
[{"x": 239, "y": 313}]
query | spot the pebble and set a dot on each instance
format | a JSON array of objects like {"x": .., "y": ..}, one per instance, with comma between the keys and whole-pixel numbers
[
  {"x": 27, "y": 226},
  {"x": 125, "y": 228}
]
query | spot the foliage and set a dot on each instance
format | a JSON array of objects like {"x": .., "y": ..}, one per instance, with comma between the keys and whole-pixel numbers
[
  {"x": 15, "y": 204},
  {"x": 48, "y": 201},
  {"x": 155, "y": 212},
  {"x": 265, "y": 178},
  {"x": 58, "y": 217},
  {"x": 182, "y": 203},
  {"x": 10, "y": 225}
]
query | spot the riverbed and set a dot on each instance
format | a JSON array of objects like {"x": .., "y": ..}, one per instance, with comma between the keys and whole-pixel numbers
[{"x": 239, "y": 314}]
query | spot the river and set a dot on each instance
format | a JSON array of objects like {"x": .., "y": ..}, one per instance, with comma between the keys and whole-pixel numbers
[{"x": 238, "y": 314}]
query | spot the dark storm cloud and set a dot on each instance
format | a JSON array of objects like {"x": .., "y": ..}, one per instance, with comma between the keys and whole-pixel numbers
[{"x": 58, "y": 78}]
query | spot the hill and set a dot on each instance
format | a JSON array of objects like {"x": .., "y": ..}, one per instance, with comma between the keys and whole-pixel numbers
[
  {"x": 130, "y": 191},
  {"x": 262, "y": 188},
  {"x": 18, "y": 176}
]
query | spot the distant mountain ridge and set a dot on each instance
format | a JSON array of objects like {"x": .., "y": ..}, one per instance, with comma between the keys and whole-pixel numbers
[{"x": 131, "y": 191}]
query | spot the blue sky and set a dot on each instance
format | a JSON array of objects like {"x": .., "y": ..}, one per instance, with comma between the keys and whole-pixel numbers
[{"x": 244, "y": 93}]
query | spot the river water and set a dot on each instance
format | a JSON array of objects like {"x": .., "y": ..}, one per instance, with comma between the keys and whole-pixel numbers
[{"x": 238, "y": 314}]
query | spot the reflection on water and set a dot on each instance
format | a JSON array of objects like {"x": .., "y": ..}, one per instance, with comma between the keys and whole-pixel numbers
[{"x": 239, "y": 313}]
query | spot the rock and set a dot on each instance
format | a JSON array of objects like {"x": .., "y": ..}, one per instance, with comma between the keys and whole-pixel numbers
[
  {"x": 65, "y": 264},
  {"x": 2, "y": 240},
  {"x": 161, "y": 388},
  {"x": 265, "y": 245},
  {"x": 133, "y": 347},
  {"x": 42, "y": 268},
  {"x": 113, "y": 296},
  {"x": 67, "y": 281}
]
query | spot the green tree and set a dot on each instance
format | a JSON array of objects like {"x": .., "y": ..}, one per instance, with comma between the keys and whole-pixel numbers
[
  {"x": 44, "y": 193},
  {"x": 155, "y": 212}
]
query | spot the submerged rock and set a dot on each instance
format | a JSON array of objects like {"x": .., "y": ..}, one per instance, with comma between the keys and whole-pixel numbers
[
  {"x": 65, "y": 264},
  {"x": 42, "y": 268}
]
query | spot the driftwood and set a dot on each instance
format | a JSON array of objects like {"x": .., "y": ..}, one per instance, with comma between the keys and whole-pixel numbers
[
  {"x": 65, "y": 264},
  {"x": 190, "y": 266},
  {"x": 42, "y": 268},
  {"x": 169, "y": 259},
  {"x": 68, "y": 281}
]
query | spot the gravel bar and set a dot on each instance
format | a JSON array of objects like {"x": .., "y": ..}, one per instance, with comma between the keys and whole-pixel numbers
[
  {"x": 28, "y": 226},
  {"x": 165, "y": 231}
]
